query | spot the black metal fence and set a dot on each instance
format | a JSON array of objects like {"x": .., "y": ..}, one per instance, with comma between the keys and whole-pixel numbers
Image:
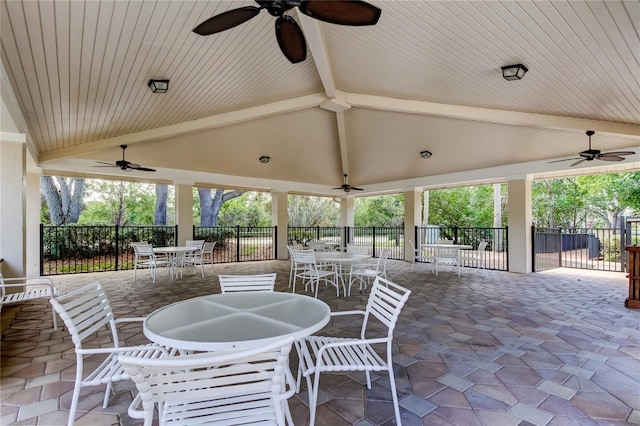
[
  {"x": 496, "y": 253},
  {"x": 600, "y": 249},
  {"x": 74, "y": 249},
  {"x": 239, "y": 243}
]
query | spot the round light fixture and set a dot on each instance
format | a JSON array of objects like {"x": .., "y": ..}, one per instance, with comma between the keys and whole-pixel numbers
[{"x": 264, "y": 159}]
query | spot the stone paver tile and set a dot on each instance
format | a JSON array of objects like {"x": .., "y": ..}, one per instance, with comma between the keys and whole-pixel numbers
[
  {"x": 29, "y": 411},
  {"x": 577, "y": 371},
  {"x": 530, "y": 414},
  {"x": 488, "y": 366},
  {"x": 556, "y": 389},
  {"x": 497, "y": 418},
  {"x": 499, "y": 392},
  {"x": 417, "y": 405},
  {"x": 634, "y": 417},
  {"x": 43, "y": 380},
  {"x": 456, "y": 382},
  {"x": 456, "y": 416},
  {"x": 601, "y": 405}
]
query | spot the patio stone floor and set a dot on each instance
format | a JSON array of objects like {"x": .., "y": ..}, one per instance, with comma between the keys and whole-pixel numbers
[{"x": 488, "y": 348}]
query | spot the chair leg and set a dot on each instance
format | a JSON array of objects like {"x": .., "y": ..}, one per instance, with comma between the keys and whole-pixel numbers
[
  {"x": 107, "y": 393},
  {"x": 76, "y": 392},
  {"x": 313, "y": 399},
  {"x": 394, "y": 394}
]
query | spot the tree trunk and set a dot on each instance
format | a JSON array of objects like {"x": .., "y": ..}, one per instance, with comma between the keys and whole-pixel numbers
[
  {"x": 210, "y": 204},
  {"x": 64, "y": 199},
  {"x": 160, "y": 214}
]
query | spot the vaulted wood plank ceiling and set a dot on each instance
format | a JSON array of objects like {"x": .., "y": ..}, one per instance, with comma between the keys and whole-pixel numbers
[{"x": 365, "y": 102}]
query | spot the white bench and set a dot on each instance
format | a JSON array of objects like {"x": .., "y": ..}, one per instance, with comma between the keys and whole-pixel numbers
[{"x": 31, "y": 288}]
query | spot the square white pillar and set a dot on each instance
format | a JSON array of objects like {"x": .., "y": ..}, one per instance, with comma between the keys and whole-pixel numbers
[
  {"x": 412, "y": 218},
  {"x": 13, "y": 208},
  {"x": 184, "y": 212},
  {"x": 280, "y": 218},
  {"x": 520, "y": 220}
]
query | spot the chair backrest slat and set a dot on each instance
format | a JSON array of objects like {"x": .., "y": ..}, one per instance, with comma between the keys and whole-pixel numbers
[
  {"x": 257, "y": 282},
  {"x": 85, "y": 311},
  {"x": 385, "y": 302},
  {"x": 229, "y": 381}
]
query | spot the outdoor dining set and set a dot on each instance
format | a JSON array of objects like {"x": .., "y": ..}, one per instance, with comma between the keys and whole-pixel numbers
[{"x": 224, "y": 358}]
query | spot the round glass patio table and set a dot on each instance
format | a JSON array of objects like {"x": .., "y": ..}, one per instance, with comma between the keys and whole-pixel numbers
[{"x": 230, "y": 321}]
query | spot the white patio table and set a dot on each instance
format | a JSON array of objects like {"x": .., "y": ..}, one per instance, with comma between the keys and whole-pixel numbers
[
  {"x": 450, "y": 250},
  {"x": 174, "y": 253},
  {"x": 342, "y": 260},
  {"x": 230, "y": 321}
]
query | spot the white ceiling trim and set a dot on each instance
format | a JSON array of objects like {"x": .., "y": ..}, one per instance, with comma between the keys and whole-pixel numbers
[
  {"x": 208, "y": 123},
  {"x": 491, "y": 115},
  {"x": 315, "y": 40}
]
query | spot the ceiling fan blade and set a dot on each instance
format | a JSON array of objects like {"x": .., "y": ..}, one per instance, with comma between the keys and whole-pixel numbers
[
  {"x": 566, "y": 159},
  {"x": 356, "y": 188},
  {"x": 139, "y": 167},
  {"x": 345, "y": 12},
  {"x": 577, "y": 162},
  {"x": 226, "y": 20},
  {"x": 290, "y": 39},
  {"x": 610, "y": 158},
  {"x": 104, "y": 162},
  {"x": 617, "y": 153}
]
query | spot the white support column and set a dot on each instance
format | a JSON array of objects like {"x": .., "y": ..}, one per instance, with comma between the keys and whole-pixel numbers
[
  {"x": 412, "y": 218},
  {"x": 13, "y": 207},
  {"x": 280, "y": 218},
  {"x": 347, "y": 207},
  {"x": 520, "y": 219},
  {"x": 184, "y": 212},
  {"x": 32, "y": 221}
]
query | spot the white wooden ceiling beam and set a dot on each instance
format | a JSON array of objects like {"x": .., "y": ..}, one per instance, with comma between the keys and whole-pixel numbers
[
  {"x": 491, "y": 115},
  {"x": 315, "y": 41}
]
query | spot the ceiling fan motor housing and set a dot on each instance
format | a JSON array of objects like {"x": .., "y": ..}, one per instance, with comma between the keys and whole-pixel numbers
[{"x": 590, "y": 154}]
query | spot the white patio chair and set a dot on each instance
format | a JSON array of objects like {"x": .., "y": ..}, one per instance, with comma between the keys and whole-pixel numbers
[
  {"x": 368, "y": 270},
  {"x": 207, "y": 253},
  {"x": 216, "y": 388},
  {"x": 146, "y": 258},
  {"x": 319, "y": 354},
  {"x": 193, "y": 259},
  {"x": 449, "y": 256},
  {"x": 294, "y": 266},
  {"x": 311, "y": 273},
  {"x": 357, "y": 248},
  {"x": 475, "y": 257},
  {"x": 317, "y": 246},
  {"x": 422, "y": 254},
  {"x": 29, "y": 288},
  {"x": 257, "y": 282},
  {"x": 86, "y": 312}
]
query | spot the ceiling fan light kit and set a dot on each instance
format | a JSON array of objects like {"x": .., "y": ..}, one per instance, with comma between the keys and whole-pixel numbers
[
  {"x": 595, "y": 154},
  {"x": 288, "y": 33},
  {"x": 514, "y": 72},
  {"x": 158, "y": 86}
]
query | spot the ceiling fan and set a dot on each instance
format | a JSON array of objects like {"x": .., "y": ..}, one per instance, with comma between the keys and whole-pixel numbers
[
  {"x": 596, "y": 154},
  {"x": 288, "y": 33},
  {"x": 346, "y": 187},
  {"x": 124, "y": 164}
]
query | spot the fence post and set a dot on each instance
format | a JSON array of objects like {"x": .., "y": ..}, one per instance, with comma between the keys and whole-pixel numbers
[
  {"x": 42, "y": 249},
  {"x": 533, "y": 248},
  {"x": 175, "y": 235},
  {"x": 373, "y": 244},
  {"x": 117, "y": 248},
  {"x": 506, "y": 243},
  {"x": 560, "y": 247},
  {"x": 275, "y": 242},
  {"x": 455, "y": 234},
  {"x": 237, "y": 243}
]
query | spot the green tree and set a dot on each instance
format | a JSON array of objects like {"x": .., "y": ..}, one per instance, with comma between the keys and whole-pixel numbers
[
  {"x": 383, "y": 210},
  {"x": 64, "y": 198},
  {"x": 312, "y": 211},
  {"x": 119, "y": 203},
  {"x": 211, "y": 201}
]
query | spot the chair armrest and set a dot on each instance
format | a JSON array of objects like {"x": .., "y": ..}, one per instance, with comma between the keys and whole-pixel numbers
[
  {"x": 23, "y": 281},
  {"x": 133, "y": 411},
  {"x": 340, "y": 313},
  {"x": 349, "y": 342},
  {"x": 133, "y": 319},
  {"x": 88, "y": 351}
]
